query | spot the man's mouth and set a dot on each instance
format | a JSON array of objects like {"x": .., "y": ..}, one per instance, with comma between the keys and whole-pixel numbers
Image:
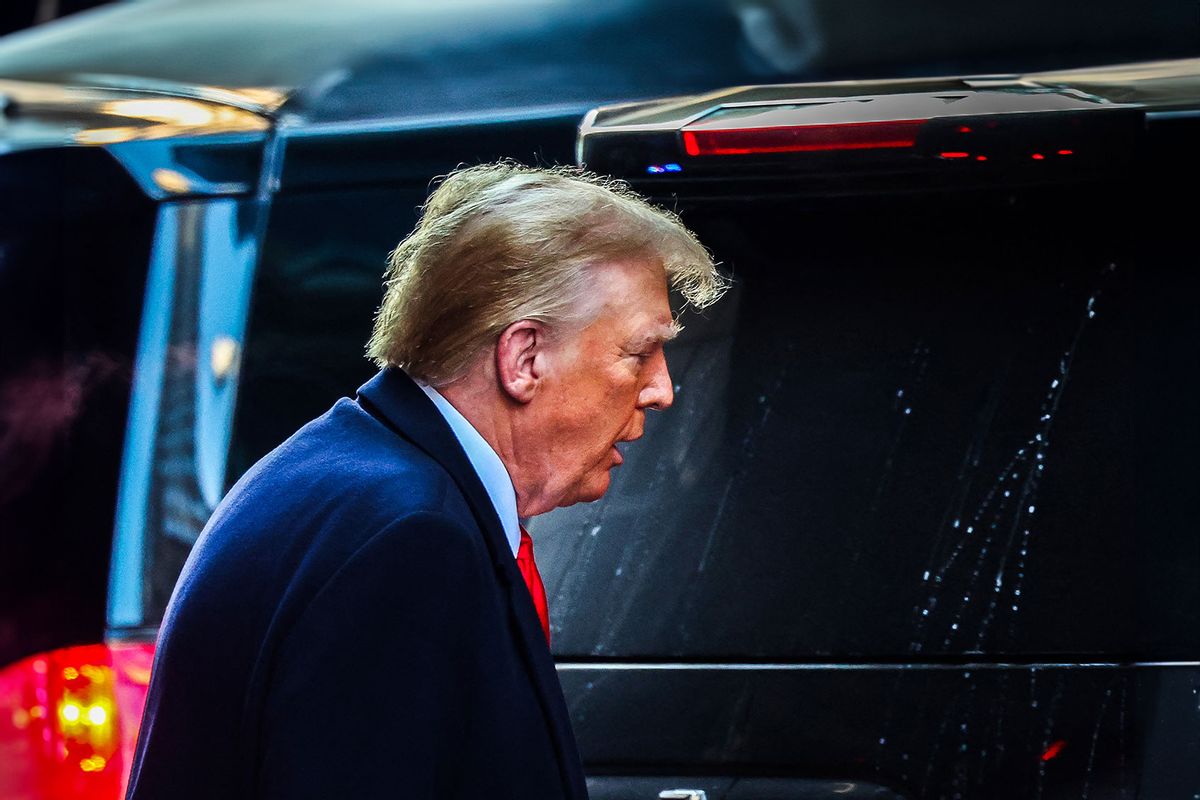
[{"x": 618, "y": 459}]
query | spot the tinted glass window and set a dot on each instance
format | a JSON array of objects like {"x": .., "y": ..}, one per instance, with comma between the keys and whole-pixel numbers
[
  {"x": 314, "y": 300},
  {"x": 936, "y": 426}
]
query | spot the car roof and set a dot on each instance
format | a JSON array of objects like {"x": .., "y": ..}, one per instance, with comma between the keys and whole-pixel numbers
[
  {"x": 381, "y": 59},
  {"x": 362, "y": 60},
  {"x": 1158, "y": 85}
]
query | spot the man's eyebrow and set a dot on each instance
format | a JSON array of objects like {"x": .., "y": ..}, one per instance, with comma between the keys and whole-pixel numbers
[{"x": 660, "y": 335}]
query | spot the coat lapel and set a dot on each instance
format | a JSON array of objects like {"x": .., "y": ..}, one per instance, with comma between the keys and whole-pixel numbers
[{"x": 394, "y": 397}]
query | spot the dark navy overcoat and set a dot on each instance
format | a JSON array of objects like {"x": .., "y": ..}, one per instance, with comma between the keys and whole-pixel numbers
[{"x": 352, "y": 624}]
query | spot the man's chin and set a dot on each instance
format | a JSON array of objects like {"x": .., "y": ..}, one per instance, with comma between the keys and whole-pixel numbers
[{"x": 591, "y": 490}]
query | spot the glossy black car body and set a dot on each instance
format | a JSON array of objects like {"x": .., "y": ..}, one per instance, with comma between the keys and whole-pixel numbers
[
  {"x": 807, "y": 580},
  {"x": 927, "y": 535}
]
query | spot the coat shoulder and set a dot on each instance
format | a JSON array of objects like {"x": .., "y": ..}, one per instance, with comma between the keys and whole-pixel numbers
[{"x": 305, "y": 509}]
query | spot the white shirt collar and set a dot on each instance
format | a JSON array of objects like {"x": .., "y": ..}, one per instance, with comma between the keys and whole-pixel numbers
[{"x": 487, "y": 464}]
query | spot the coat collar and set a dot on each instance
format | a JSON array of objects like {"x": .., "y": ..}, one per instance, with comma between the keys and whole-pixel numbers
[{"x": 396, "y": 400}]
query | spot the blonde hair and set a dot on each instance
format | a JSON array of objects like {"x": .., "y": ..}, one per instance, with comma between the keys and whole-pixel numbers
[{"x": 498, "y": 243}]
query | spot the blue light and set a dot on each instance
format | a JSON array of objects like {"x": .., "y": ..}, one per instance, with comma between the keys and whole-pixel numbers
[
  {"x": 654, "y": 169},
  {"x": 673, "y": 168}
]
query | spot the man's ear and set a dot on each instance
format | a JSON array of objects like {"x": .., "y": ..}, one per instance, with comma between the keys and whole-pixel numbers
[{"x": 520, "y": 359}]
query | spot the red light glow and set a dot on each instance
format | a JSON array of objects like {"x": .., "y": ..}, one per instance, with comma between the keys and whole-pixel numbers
[
  {"x": 1066, "y": 152},
  {"x": 1053, "y": 750},
  {"x": 964, "y": 129},
  {"x": 69, "y": 719},
  {"x": 981, "y": 158},
  {"x": 955, "y": 155},
  {"x": 1038, "y": 157},
  {"x": 802, "y": 138}
]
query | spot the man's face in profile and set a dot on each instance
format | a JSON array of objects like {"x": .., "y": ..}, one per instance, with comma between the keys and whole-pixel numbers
[{"x": 599, "y": 383}]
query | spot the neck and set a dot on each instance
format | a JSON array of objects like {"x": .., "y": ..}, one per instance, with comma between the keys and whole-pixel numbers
[{"x": 490, "y": 412}]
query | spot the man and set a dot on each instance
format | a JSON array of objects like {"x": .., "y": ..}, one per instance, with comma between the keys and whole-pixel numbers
[{"x": 362, "y": 616}]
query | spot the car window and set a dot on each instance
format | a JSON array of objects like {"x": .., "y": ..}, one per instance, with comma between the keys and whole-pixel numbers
[
  {"x": 914, "y": 426},
  {"x": 940, "y": 426},
  {"x": 314, "y": 300}
]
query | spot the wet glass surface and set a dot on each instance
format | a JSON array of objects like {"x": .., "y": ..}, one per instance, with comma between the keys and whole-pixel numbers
[{"x": 913, "y": 428}]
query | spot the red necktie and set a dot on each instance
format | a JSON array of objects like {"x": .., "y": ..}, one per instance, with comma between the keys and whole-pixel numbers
[{"x": 533, "y": 580}]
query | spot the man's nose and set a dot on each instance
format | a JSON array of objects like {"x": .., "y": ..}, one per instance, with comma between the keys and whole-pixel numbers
[{"x": 659, "y": 392}]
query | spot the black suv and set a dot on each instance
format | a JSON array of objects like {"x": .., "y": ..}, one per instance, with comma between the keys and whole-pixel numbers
[{"x": 917, "y": 523}]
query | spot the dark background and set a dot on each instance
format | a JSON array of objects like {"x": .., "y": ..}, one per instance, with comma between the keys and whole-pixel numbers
[{"x": 18, "y": 14}]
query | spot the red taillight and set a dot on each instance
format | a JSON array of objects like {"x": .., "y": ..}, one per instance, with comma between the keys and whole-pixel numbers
[
  {"x": 69, "y": 720},
  {"x": 802, "y": 138}
]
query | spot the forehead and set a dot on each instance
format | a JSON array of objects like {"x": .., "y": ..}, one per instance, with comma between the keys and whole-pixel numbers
[
  {"x": 633, "y": 294},
  {"x": 631, "y": 282}
]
